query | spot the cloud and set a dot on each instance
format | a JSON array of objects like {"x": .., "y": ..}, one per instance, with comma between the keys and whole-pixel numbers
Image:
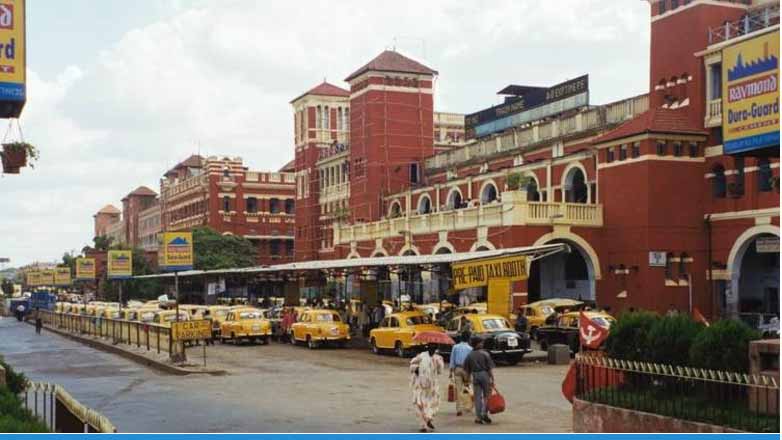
[{"x": 219, "y": 75}]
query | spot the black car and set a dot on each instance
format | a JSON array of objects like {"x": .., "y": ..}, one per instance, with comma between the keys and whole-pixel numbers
[
  {"x": 499, "y": 339},
  {"x": 564, "y": 329}
]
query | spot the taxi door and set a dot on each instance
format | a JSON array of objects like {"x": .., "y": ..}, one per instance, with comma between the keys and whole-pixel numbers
[
  {"x": 300, "y": 328},
  {"x": 382, "y": 334}
]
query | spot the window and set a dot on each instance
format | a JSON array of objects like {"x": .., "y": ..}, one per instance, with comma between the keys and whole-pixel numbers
[
  {"x": 636, "y": 151},
  {"x": 252, "y": 205},
  {"x": 274, "y": 247},
  {"x": 719, "y": 186},
  {"x": 489, "y": 194},
  {"x": 289, "y": 247},
  {"x": 669, "y": 266},
  {"x": 716, "y": 81},
  {"x": 414, "y": 173},
  {"x": 610, "y": 155},
  {"x": 424, "y": 205},
  {"x": 674, "y": 4},
  {"x": 737, "y": 188},
  {"x": 677, "y": 149},
  {"x": 274, "y": 206},
  {"x": 395, "y": 211},
  {"x": 661, "y": 148},
  {"x": 226, "y": 204},
  {"x": 226, "y": 172},
  {"x": 623, "y": 152},
  {"x": 764, "y": 175},
  {"x": 693, "y": 149},
  {"x": 683, "y": 257},
  {"x": 289, "y": 206},
  {"x": 661, "y": 7}
]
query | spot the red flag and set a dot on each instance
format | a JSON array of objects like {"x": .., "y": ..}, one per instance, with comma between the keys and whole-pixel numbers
[
  {"x": 590, "y": 333},
  {"x": 698, "y": 316},
  {"x": 569, "y": 384}
]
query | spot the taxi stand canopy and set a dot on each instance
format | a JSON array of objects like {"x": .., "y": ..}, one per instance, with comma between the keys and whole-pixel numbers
[{"x": 531, "y": 252}]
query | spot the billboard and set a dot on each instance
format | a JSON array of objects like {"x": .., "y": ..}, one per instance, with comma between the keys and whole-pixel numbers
[
  {"x": 13, "y": 52},
  {"x": 62, "y": 276},
  {"x": 536, "y": 103},
  {"x": 479, "y": 273},
  {"x": 32, "y": 278},
  {"x": 85, "y": 269},
  {"x": 176, "y": 252},
  {"x": 750, "y": 94},
  {"x": 47, "y": 277},
  {"x": 120, "y": 265}
]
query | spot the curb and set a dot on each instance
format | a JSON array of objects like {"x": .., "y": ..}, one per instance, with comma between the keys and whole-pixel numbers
[{"x": 135, "y": 357}]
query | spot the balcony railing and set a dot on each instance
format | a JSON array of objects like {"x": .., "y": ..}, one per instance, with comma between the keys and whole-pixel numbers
[
  {"x": 754, "y": 20},
  {"x": 514, "y": 210},
  {"x": 335, "y": 192},
  {"x": 521, "y": 138},
  {"x": 714, "y": 113}
]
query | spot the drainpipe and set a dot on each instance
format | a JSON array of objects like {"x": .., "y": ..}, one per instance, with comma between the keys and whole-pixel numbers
[{"x": 709, "y": 265}]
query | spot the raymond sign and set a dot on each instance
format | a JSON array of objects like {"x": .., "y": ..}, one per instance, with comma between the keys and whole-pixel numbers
[
  {"x": 120, "y": 265},
  {"x": 480, "y": 272},
  {"x": 33, "y": 278},
  {"x": 85, "y": 268},
  {"x": 47, "y": 277},
  {"x": 191, "y": 330},
  {"x": 62, "y": 276},
  {"x": 750, "y": 94},
  {"x": 176, "y": 252},
  {"x": 12, "y": 58}
]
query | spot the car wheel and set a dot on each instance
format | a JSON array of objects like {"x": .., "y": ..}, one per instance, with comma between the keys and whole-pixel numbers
[
  {"x": 292, "y": 338},
  {"x": 233, "y": 338},
  {"x": 400, "y": 349},
  {"x": 311, "y": 344},
  {"x": 373, "y": 346},
  {"x": 543, "y": 344}
]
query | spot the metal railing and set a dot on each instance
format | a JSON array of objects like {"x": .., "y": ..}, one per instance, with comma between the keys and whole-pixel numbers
[
  {"x": 739, "y": 401},
  {"x": 61, "y": 412},
  {"x": 754, "y": 20},
  {"x": 118, "y": 331}
]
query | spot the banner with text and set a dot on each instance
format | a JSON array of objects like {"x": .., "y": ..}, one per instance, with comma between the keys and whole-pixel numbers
[
  {"x": 120, "y": 265},
  {"x": 85, "y": 269},
  {"x": 478, "y": 273},
  {"x": 13, "y": 58},
  {"x": 176, "y": 252},
  {"x": 62, "y": 276}
]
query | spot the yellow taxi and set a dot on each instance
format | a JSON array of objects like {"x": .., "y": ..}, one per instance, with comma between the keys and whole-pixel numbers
[
  {"x": 146, "y": 314},
  {"x": 166, "y": 317},
  {"x": 316, "y": 327},
  {"x": 109, "y": 313},
  {"x": 217, "y": 314},
  {"x": 536, "y": 314},
  {"x": 397, "y": 330},
  {"x": 245, "y": 324},
  {"x": 77, "y": 309},
  {"x": 195, "y": 311}
]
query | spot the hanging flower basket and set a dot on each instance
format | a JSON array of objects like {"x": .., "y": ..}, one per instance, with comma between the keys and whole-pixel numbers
[{"x": 16, "y": 154}]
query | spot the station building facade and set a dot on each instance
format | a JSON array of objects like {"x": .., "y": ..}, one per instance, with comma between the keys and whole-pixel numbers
[{"x": 658, "y": 207}]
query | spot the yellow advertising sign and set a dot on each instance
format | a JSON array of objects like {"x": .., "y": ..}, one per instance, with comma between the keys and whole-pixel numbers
[
  {"x": 750, "y": 94},
  {"x": 480, "y": 272},
  {"x": 85, "y": 269},
  {"x": 62, "y": 276},
  {"x": 176, "y": 251},
  {"x": 33, "y": 278},
  {"x": 120, "y": 264},
  {"x": 191, "y": 330},
  {"x": 47, "y": 277},
  {"x": 12, "y": 56}
]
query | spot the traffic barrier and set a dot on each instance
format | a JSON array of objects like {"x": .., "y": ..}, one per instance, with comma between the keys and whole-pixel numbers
[{"x": 61, "y": 412}]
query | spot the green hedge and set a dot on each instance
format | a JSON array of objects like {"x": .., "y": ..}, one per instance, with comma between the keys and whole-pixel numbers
[
  {"x": 16, "y": 382},
  {"x": 14, "y": 417},
  {"x": 678, "y": 340}
]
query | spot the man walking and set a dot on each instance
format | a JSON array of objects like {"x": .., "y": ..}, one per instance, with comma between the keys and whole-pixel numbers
[
  {"x": 38, "y": 321},
  {"x": 460, "y": 379},
  {"x": 480, "y": 367}
]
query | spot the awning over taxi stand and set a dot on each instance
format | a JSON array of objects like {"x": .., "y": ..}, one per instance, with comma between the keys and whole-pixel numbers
[{"x": 292, "y": 272}]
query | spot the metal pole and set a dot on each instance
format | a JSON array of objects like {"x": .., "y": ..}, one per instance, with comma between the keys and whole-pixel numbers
[{"x": 689, "y": 288}]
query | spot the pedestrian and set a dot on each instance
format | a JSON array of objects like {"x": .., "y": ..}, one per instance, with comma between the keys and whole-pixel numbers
[
  {"x": 208, "y": 316},
  {"x": 20, "y": 312},
  {"x": 480, "y": 367},
  {"x": 287, "y": 320},
  {"x": 459, "y": 377},
  {"x": 38, "y": 321},
  {"x": 424, "y": 369},
  {"x": 521, "y": 321},
  {"x": 363, "y": 319},
  {"x": 378, "y": 314}
]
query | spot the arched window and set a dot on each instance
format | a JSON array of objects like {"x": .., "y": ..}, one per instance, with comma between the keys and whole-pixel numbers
[
  {"x": 319, "y": 117},
  {"x": 488, "y": 194},
  {"x": 719, "y": 184},
  {"x": 252, "y": 205},
  {"x": 454, "y": 200},
  {"x": 575, "y": 187},
  {"x": 764, "y": 175},
  {"x": 395, "y": 210},
  {"x": 533, "y": 195},
  {"x": 424, "y": 205}
]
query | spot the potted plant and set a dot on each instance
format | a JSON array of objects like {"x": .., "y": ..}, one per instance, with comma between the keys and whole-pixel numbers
[{"x": 16, "y": 155}]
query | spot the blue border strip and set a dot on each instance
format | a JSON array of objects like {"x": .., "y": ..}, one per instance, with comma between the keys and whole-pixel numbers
[
  {"x": 750, "y": 143},
  {"x": 676, "y": 436},
  {"x": 176, "y": 268}
]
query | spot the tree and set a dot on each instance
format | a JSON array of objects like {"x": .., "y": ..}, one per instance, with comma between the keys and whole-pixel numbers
[
  {"x": 215, "y": 251},
  {"x": 102, "y": 242},
  {"x": 68, "y": 259},
  {"x": 133, "y": 288},
  {"x": 7, "y": 287}
]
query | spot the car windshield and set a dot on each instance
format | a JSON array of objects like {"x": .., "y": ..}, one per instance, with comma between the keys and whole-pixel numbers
[
  {"x": 220, "y": 313},
  {"x": 250, "y": 315},
  {"x": 327, "y": 317},
  {"x": 417, "y": 320},
  {"x": 547, "y": 310},
  {"x": 495, "y": 324}
]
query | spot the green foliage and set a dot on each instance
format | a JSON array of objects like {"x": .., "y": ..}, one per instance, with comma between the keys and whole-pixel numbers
[
  {"x": 102, "y": 243},
  {"x": 670, "y": 338},
  {"x": 133, "y": 289},
  {"x": 68, "y": 259},
  {"x": 16, "y": 382},
  {"x": 723, "y": 346},
  {"x": 14, "y": 417},
  {"x": 7, "y": 287},
  {"x": 215, "y": 251},
  {"x": 516, "y": 181},
  {"x": 629, "y": 336}
]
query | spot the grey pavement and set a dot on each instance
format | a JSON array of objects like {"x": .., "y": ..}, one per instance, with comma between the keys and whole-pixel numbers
[{"x": 274, "y": 388}]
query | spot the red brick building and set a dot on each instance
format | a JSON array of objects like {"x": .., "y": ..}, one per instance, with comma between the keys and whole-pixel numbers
[{"x": 657, "y": 213}]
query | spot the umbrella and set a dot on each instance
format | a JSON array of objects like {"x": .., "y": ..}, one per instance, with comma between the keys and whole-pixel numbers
[{"x": 433, "y": 337}]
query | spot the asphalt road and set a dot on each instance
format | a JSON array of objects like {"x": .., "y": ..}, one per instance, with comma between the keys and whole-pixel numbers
[{"x": 274, "y": 388}]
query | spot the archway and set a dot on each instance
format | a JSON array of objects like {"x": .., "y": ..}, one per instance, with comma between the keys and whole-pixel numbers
[
  {"x": 454, "y": 200},
  {"x": 424, "y": 205},
  {"x": 441, "y": 277},
  {"x": 488, "y": 193},
  {"x": 563, "y": 275},
  {"x": 575, "y": 188},
  {"x": 754, "y": 269}
]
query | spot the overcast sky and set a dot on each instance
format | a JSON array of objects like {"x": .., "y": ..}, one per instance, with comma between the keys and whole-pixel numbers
[{"x": 119, "y": 91}]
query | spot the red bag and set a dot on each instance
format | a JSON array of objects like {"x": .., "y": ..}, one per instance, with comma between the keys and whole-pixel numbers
[
  {"x": 451, "y": 393},
  {"x": 495, "y": 403}
]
